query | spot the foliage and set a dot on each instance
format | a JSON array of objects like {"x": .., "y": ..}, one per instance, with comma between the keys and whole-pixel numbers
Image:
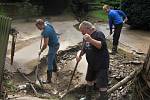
[
  {"x": 2, "y": 12},
  {"x": 99, "y": 14},
  {"x": 27, "y": 10},
  {"x": 138, "y": 12},
  {"x": 9, "y": 86}
]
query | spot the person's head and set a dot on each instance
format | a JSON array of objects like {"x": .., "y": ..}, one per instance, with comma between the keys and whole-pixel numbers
[
  {"x": 40, "y": 24},
  {"x": 106, "y": 8},
  {"x": 86, "y": 27}
]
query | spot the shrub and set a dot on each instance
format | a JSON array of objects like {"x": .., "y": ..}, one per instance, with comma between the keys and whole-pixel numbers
[
  {"x": 138, "y": 12},
  {"x": 27, "y": 10}
]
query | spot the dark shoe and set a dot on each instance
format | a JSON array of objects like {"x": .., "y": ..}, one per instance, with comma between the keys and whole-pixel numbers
[
  {"x": 95, "y": 88},
  {"x": 85, "y": 98},
  {"x": 103, "y": 96},
  {"x": 89, "y": 90},
  {"x": 114, "y": 50}
]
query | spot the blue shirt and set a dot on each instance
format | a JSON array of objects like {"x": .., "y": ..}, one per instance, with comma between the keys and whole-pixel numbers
[
  {"x": 115, "y": 17},
  {"x": 50, "y": 33}
]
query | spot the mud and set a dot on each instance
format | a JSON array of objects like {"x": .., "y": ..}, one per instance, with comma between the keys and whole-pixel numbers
[
  {"x": 120, "y": 67},
  {"x": 130, "y": 40}
]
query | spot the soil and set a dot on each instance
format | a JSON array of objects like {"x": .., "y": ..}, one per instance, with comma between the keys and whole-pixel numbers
[{"x": 121, "y": 65}]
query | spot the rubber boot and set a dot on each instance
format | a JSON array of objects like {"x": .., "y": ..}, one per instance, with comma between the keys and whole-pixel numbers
[
  {"x": 89, "y": 90},
  {"x": 103, "y": 96},
  {"x": 49, "y": 76},
  {"x": 95, "y": 88},
  {"x": 114, "y": 50}
]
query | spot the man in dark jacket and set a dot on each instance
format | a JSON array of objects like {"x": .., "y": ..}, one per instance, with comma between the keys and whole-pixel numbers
[
  {"x": 97, "y": 56},
  {"x": 116, "y": 19}
]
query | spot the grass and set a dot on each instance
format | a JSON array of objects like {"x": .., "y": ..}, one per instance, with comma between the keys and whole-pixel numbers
[
  {"x": 2, "y": 11},
  {"x": 9, "y": 86},
  {"x": 99, "y": 14}
]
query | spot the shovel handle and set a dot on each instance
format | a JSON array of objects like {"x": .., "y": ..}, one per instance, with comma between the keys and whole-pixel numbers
[{"x": 72, "y": 75}]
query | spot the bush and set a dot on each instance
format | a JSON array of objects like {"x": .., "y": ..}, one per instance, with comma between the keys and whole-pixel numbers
[
  {"x": 27, "y": 10},
  {"x": 2, "y": 12},
  {"x": 138, "y": 12}
]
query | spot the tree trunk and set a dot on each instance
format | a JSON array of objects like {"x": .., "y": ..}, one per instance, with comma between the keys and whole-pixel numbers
[{"x": 142, "y": 81}]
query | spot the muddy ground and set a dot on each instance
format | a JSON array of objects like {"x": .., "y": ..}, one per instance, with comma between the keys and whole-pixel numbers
[{"x": 121, "y": 65}]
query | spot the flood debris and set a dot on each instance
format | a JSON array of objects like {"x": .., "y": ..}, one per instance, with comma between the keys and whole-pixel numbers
[{"x": 122, "y": 69}]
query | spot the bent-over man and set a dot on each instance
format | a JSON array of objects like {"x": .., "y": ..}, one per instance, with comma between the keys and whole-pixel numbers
[
  {"x": 50, "y": 39},
  {"x": 116, "y": 19}
]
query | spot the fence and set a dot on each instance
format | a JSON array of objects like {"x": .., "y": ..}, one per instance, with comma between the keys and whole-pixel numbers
[{"x": 5, "y": 25}]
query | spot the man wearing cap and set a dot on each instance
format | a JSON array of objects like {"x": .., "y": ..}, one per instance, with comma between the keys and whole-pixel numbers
[{"x": 50, "y": 39}]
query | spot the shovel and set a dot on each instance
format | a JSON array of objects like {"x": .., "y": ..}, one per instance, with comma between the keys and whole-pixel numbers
[
  {"x": 72, "y": 76},
  {"x": 68, "y": 88}
]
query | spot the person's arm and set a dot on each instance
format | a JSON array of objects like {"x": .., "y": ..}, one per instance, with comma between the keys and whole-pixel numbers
[
  {"x": 82, "y": 52},
  {"x": 44, "y": 46},
  {"x": 121, "y": 13},
  {"x": 110, "y": 23},
  {"x": 45, "y": 36},
  {"x": 94, "y": 42}
]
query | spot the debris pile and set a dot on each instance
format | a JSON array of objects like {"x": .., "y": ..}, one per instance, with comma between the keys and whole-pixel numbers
[{"x": 121, "y": 65}]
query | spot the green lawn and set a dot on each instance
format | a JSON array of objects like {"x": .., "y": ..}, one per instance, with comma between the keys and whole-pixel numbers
[{"x": 99, "y": 14}]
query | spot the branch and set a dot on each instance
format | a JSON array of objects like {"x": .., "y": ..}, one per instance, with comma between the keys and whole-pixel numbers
[{"x": 124, "y": 81}]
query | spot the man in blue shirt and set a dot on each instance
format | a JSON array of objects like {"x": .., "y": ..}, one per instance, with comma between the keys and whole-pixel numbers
[
  {"x": 50, "y": 39},
  {"x": 116, "y": 19}
]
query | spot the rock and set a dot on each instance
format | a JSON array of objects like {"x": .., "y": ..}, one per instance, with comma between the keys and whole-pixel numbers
[
  {"x": 136, "y": 62},
  {"x": 54, "y": 91},
  {"x": 21, "y": 87}
]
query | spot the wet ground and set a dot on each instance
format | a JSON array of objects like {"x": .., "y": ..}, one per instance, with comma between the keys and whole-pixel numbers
[
  {"x": 28, "y": 43},
  {"x": 130, "y": 40}
]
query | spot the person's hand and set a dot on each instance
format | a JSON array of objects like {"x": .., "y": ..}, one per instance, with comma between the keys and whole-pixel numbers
[
  {"x": 78, "y": 58},
  {"x": 87, "y": 37},
  {"x": 110, "y": 32},
  {"x": 125, "y": 20},
  {"x": 40, "y": 53}
]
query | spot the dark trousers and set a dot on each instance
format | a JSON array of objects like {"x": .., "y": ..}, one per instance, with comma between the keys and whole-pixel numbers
[{"x": 116, "y": 34}]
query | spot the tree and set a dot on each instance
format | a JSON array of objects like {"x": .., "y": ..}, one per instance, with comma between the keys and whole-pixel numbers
[
  {"x": 142, "y": 81},
  {"x": 138, "y": 12}
]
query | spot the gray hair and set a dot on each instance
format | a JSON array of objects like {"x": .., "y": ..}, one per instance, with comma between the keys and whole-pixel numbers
[{"x": 86, "y": 25}]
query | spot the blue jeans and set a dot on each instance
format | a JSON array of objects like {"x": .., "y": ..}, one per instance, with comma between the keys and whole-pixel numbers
[{"x": 52, "y": 56}]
